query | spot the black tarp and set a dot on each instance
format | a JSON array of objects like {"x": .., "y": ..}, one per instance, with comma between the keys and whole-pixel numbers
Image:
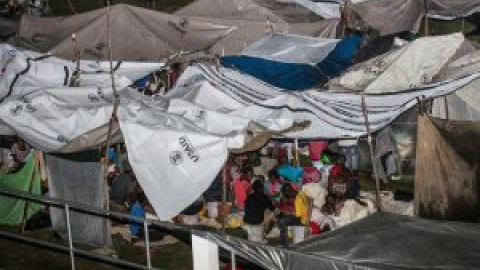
[{"x": 381, "y": 241}]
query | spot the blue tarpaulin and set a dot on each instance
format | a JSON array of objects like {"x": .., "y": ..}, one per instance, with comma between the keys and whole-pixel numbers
[{"x": 294, "y": 76}]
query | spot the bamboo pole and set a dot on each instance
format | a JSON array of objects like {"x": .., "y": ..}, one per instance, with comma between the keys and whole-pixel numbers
[
  {"x": 463, "y": 25},
  {"x": 445, "y": 102},
  {"x": 370, "y": 145},
  {"x": 113, "y": 118}
]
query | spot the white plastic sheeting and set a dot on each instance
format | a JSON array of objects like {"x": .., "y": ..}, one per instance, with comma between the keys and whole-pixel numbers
[
  {"x": 291, "y": 48},
  {"x": 411, "y": 66},
  {"x": 331, "y": 115},
  {"x": 177, "y": 143}
]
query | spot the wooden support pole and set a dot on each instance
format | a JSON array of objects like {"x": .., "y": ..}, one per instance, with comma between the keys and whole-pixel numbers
[
  {"x": 445, "y": 102},
  {"x": 113, "y": 119},
  {"x": 309, "y": 216},
  {"x": 370, "y": 145},
  {"x": 76, "y": 52},
  {"x": 463, "y": 25}
]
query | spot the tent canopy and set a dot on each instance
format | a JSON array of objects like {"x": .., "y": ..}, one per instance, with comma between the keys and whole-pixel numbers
[{"x": 137, "y": 34}]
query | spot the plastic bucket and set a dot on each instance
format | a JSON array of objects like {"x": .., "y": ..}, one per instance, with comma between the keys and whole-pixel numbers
[
  {"x": 298, "y": 233},
  {"x": 255, "y": 232},
  {"x": 212, "y": 209}
]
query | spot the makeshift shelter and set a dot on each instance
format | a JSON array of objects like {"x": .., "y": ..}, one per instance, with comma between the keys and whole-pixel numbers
[
  {"x": 183, "y": 138},
  {"x": 253, "y": 19},
  {"x": 137, "y": 34},
  {"x": 449, "y": 187},
  {"x": 380, "y": 241}
]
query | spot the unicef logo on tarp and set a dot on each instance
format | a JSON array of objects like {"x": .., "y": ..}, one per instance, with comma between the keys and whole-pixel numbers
[{"x": 176, "y": 158}]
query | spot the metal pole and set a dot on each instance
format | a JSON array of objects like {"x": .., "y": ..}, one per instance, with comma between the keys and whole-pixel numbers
[
  {"x": 297, "y": 157},
  {"x": 147, "y": 244},
  {"x": 224, "y": 195},
  {"x": 369, "y": 137},
  {"x": 233, "y": 261},
  {"x": 70, "y": 241}
]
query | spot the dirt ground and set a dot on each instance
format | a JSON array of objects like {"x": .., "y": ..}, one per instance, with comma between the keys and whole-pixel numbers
[{"x": 16, "y": 256}]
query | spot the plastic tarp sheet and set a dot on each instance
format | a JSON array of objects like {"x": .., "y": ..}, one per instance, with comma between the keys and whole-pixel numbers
[
  {"x": 228, "y": 93},
  {"x": 380, "y": 241},
  {"x": 210, "y": 112},
  {"x": 387, "y": 17},
  {"x": 291, "y": 48},
  {"x": 409, "y": 66},
  {"x": 464, "y": 104},
  {"x": 293, "y": 76},
  {"x": 152, "y": 36},
  {"x": 448, "y": 188},
  {"x": 80, "y": 182},
  {"x": 255, "y": 19},
  {"x": 452, "y": 9},
  {"x": 27, "y": 179}
]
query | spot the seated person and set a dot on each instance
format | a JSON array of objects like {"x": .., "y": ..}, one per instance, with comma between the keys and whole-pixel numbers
[
  {"x": 287, "y": 216},
  {"x": 256, "y": 205},
  {"x": 138, "y": 210},
  {"x": 20, "y": 151},
  {"x": 121, "y": 188}
]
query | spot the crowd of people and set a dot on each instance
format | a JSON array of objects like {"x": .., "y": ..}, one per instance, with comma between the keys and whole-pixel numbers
[{"x": 14, "y": 9}]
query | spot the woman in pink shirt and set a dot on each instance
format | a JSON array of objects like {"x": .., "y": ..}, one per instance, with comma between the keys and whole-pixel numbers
[{"x": 242, "y": 187}]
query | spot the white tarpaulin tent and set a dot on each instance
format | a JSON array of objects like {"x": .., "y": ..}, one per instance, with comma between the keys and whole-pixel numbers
[
  {"x": 410, "y": 66},
  {"x": 424, "y": 61},
  {"x": 137, "y": 34},
  {"x": 177, "y": 143},
  {"x": 254, "y": 19}
]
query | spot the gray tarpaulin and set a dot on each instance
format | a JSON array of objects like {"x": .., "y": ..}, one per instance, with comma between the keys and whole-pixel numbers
[
  {"x": 137, "y": 34},
  {"x": 447, "y": 171},
  {"x": 81, "y": 182},
  {"x": 380, "y": 241}
]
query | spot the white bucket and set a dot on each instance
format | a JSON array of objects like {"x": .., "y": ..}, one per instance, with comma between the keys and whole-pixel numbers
[
  {"x": 255, "y": 232},
  {"x": 190, "y": 220},
  {"x": 212, "y": 209},
  {"x": 298, "y": 234}
]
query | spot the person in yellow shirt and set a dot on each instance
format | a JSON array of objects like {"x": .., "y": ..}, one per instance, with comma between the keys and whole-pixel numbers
[{"x": 301, "y": 207}]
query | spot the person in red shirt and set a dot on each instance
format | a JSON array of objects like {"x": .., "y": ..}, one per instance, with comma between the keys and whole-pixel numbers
[{"x": 242, "y": 187}]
